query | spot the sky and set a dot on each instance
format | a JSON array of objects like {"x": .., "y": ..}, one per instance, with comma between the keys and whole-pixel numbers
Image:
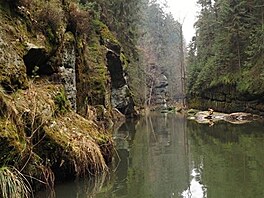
[{"x": 185, "y": 11}]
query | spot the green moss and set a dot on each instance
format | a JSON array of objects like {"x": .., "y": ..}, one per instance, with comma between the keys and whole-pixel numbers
[
  {"x": 195, "y": 103},
  {"x": 69, "y": 37},
  {"x": 105, "y": 33},
  {"x": 124, "y": 61},
  {"x": 92, "y": 72},
  {"x": 11, "y": 144},
  {"x": 62, "y": 103}
]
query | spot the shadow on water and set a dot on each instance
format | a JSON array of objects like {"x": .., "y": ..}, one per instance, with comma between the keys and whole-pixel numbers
[
  {"x": 85, "y": 187},
  {"x": 163, "y": 156}
]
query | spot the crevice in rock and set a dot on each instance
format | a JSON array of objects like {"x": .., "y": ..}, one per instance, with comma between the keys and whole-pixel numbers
[
  {"x": 115, "y": 68},
  {"x": 121, "y": 97},
  {"x": 36, "y": 61}
]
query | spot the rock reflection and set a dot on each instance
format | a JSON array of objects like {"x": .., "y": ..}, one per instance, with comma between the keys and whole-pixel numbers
[
  {"x": 153, "y": 158},
  {"x": 81, "y": 188},
  {"x": 124, "y": 137},
  {"x": 196, "y": 189},
  {"x": 163, "y": 156}
]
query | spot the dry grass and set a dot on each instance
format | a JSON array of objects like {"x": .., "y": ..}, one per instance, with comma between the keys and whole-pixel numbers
[
  {"x": 76, "y": 135},
  {"x": 7, "y": 107},
  {"x": 76, "y": 142},
  {"x": 24, "y": 113},
  {"x": 80, "y": 138},
  {"x": 72, "y": 132},
  {"x": 13, "y": 184},
  {"x": 51, "y": 15}
]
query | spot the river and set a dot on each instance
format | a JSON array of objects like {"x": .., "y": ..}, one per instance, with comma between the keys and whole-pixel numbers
[{"x": 165, "y": 156}]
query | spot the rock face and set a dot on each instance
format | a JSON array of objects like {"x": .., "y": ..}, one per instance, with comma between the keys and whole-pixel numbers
[
  {"x": 158, "y": 87},
  {"x": 228, "y": 99},
  {"x": 90, "y": 66},
  {"x": 67, "y": 70},
  {"x": 121, "y": 97},
  {"x": 157, "y": 84},
  {"x": 160, "y": 90}
]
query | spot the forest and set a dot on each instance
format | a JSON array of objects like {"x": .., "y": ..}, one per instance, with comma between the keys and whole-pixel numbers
[{"x": 226, "y": 56}]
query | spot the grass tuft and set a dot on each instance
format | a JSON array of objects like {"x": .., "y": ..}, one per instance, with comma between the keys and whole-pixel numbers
[
  {"x": 13, "y": 184},
  {"x": 80, "y": 138}
]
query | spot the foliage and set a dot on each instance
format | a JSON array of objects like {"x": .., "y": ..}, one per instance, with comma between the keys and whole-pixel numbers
[
  {"x": 228, "y": 47},
  {"x": 61, "y": 102},
  {"x": 50, "y": 16},
  {"x": 79, "y": 19},
  {"x": 161, "y": 44},
  {"x": 122, "y": 16}
]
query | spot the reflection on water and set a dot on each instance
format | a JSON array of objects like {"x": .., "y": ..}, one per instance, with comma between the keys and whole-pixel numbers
[
  {"x": 156, "y": 162},
  {"x": 164, "y": 156},
  {"x": 195, "y": 189}
]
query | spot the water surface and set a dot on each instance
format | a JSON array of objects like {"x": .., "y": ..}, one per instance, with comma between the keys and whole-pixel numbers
[{"x": 164, "y": 156}]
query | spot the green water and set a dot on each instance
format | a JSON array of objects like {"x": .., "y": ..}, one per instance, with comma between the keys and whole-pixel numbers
[{"x": 164, "y": 156}]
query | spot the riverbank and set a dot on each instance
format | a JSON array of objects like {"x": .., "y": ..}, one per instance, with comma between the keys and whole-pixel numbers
[
  {"x": 229, "y": 101},
  {"x": 59, "y": 94},
  {"x": 44, "y": 140},
  {"x": 209, "y": 116}
]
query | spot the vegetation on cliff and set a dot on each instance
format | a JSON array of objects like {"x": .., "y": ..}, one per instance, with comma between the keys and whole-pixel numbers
[
  {"x": 43, "y": 139},
  {"x": 56, "y": 89},
  {"x": 226, "y": 63}
]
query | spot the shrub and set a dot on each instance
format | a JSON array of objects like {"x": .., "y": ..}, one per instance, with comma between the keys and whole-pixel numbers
[
  {"x": 50, "y": 17},
  {"x": 79, "y": 20}
]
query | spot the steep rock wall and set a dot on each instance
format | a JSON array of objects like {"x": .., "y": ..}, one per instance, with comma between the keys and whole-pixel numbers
[
  {"x": 227, "y": 98},
  {"x": 46, "y": 67},
  {"x": 89, "y": 62},
  {"x": 157, "y": 86}
]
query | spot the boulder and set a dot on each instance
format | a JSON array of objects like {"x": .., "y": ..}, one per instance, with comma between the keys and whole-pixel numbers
[{"x": 212, "y": 117}]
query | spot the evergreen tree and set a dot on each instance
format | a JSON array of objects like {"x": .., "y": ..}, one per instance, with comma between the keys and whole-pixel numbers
[{"x": 228, "y": 49}]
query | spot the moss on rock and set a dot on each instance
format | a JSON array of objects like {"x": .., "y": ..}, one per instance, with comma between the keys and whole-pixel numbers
[{"x": 42, "y": 143}]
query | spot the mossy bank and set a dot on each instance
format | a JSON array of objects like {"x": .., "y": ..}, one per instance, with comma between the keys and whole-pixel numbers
[{"x": 62, "y": 83}]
